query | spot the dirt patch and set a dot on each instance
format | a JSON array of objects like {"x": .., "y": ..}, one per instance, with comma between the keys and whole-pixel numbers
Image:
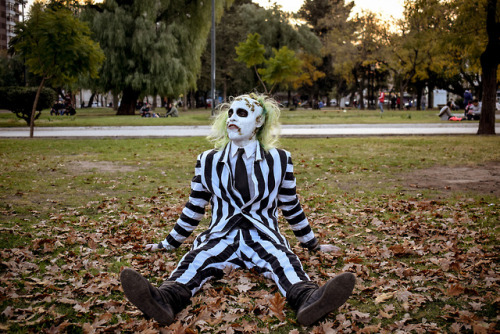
[
  {"x": 100, "y": 166},
  {"x": 482, "y": 179}
]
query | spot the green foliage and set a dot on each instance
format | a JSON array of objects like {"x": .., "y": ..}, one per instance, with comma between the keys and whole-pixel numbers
[
  {"x": 152, "y": 47},
  {"x": 276, "y": 29},
  {"x": 56, "y": 45},
  {"x": 342, "y": 49},
  {"x": 20, "y": 101},
  {"x": 284, "y": 68},
  {"x": 251, "y": 52},
  {"x": 11, "y": 71}
]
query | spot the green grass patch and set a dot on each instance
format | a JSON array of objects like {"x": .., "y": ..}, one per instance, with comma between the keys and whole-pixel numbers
[{"x": 108, "y": 117}]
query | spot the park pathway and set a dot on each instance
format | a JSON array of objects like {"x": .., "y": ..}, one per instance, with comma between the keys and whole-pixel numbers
[{"x": 320, "y": 130}]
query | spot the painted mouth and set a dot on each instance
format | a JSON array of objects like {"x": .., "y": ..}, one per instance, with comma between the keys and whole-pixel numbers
[{"x": 233, "y": 127}]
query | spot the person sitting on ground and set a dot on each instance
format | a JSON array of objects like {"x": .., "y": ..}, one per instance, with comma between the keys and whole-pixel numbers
[
  {"x": 474, "y": 111},
  {"x": 245, "y": 179},
  {"x": 172, "y": 111},
  {"x": 146, "y": 110},
  {"x": 446, "y": 115},
  {"x": 445, "y": 112}
]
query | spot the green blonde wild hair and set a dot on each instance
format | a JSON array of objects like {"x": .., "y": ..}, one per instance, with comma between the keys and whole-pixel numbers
[{"x": 267, "y": 134}]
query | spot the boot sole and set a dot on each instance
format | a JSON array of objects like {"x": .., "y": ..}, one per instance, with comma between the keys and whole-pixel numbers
[
  {"x": 337, "y": 291},
  {"x": 136, "y": 289}
]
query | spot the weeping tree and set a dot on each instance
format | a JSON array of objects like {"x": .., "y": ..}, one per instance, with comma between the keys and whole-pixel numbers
[
  {"x": 151, "y": 46},
  {"x": 57, "y": 48}
]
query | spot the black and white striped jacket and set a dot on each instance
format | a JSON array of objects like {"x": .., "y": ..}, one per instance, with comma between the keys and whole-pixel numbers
[{"x": 274, "y": 187}]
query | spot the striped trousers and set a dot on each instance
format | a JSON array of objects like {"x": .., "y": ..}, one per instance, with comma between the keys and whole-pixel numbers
[{"x": 240, "y": 248}]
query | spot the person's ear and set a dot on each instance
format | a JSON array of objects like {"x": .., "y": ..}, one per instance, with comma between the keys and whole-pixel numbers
[{"x": 259, "y": 121}]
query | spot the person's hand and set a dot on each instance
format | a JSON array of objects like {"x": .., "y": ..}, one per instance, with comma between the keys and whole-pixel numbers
[
  {"x": 329, "y": 248},
  {"x": 152, "y": 247}
]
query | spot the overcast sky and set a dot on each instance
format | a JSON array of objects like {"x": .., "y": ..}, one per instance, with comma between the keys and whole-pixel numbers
[{"x": 386, "y": 8}]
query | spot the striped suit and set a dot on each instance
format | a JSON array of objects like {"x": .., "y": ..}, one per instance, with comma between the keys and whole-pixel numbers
[{"x": 241, "y": 234}]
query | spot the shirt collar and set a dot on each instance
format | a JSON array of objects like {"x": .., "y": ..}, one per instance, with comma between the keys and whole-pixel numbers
[{"x": 250, "y": 149}]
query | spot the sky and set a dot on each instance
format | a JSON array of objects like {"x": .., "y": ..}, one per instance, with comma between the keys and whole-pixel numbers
[{"x": 386, "y": 8}]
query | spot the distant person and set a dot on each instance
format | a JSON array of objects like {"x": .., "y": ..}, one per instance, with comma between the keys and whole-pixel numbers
[
  {"x": 146, "y": 110},
  {"x": 408, "y": 106},
  {"x": 446, "y": 115},
  {"x": 467, "y": 98},
  {"x": 172, "y": 111},
  {"x": 394, "y": 101},
  {"x": 474, "y": 111},
  {"x": 381, "y": 99},
  {"x": 398, "y": 102}
]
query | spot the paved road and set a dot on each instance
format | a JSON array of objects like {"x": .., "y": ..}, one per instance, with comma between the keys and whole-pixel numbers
[{"x": 321, "y": 130}]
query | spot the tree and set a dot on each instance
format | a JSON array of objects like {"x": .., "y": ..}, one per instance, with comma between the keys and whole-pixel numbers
[
  {"x": 232, "y": 77},
  {"x": 152, "y": 47},
  {"x": 472, "y": 43},
  {"x": 489, "y": 65},
  {"x": 251, "y": 52},
  {"x": 57, "y": 47},
  {"x": 276, "y": 29},
  {"x": 284, "y": 68},
  {"x": 19, "y": 100},
  {"x": 11, "y": 71},
  {"x": 328, "y": 19}
]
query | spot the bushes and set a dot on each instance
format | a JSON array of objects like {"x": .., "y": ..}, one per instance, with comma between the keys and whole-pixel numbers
[{"x": 20, "y": 101}]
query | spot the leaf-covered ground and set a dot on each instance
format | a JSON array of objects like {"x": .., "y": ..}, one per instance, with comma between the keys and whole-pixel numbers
[{"x": 425, "y": 262}]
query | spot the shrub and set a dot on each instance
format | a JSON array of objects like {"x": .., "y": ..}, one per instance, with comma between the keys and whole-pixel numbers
[{"x": 20, "y": 101}]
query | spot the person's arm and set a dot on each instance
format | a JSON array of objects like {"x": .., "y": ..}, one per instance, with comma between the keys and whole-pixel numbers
[
  {"x": 290, "y": 206},
  {"x": 191, "y": 215}
]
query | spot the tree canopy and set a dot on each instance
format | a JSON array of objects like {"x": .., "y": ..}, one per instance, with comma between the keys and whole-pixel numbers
[
  {"x": 56, "y": 46},
  {"x": 152, "y": 47}
]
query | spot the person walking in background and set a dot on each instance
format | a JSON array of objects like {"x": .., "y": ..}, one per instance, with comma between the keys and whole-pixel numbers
[{"x": 381, "y": 99}]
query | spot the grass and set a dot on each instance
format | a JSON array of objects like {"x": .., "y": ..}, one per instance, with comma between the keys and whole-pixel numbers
[
  {"x": 75, "y": 211},
  {"x": 107, "y": 117}
]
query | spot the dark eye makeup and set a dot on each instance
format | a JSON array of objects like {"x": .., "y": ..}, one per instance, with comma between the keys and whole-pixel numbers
[{"x": 240, "y": 112}]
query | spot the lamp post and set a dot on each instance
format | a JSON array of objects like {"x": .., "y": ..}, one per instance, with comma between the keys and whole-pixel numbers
[
  {"x": 212, "y": 74},
  {"x": 24, "y": 2}
]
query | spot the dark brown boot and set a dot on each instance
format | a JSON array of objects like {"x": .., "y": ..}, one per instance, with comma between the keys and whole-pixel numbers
[
  {"x": 160, "y": 304},
  {"x": 313, "y": 303}
]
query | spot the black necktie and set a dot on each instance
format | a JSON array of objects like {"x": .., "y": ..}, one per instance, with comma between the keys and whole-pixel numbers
[{"x": 241, "y": 177}]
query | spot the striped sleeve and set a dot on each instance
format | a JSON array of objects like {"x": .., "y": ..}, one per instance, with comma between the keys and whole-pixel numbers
[
  {"x": 193, "y": 212},
  {"x": 290, "y": 206}
]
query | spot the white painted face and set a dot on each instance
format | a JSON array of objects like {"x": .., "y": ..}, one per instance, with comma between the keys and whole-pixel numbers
[{"x": 243, "y": 121}]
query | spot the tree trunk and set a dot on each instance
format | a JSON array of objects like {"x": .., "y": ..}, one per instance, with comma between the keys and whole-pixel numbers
[
  {"x": 33, "y": 111},
  {"x": 489, "y": 65},
  {"x": 115, "y": 102},
  {"x": 361, "y": 101},
  {"x": 155, "y": 103},
  {"x": 401, "y": 97},
  {"x": 262, "y": 82},
  {"x": 129, "y": 100},
  {"x": 430, "y": 101},
  {"x": 184, "y": 101},
  {"x": 91, "y": 100}
]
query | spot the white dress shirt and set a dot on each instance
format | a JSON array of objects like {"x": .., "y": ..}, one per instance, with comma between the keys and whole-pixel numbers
[{"x": 248, "y": 158}]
